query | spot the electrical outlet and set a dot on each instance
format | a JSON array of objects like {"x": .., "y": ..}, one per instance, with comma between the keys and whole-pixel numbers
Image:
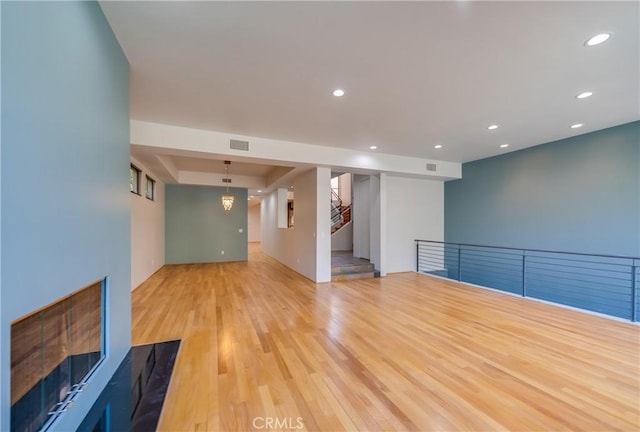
[
  {"x": 240, "y": 230},
  {"x": 221, "y": 252}
]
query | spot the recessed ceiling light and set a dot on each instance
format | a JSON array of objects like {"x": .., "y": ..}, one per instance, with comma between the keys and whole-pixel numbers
[
  {"x": 504, "y": 145},
  {"x": 373, "y": 147},
  {"x": 439, "y": 146},
  {"x": 259, "y": 190},
  {"x": 598, "y": 39},
  {"x": 584, "y": 95},
  {"x": 250, "y": 196},
  {"x": 338, "y": 92},
  {"x": 291, "y": 186},
  {"x": 492, "y": 127},
  {"x": 577, "y": 125}
]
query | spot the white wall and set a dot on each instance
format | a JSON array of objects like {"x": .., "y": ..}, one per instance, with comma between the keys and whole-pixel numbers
[
  {"x": 342, "y": 240},
  {"x": 377, "y": 227},
  {"x": 147, "y": 230},
  {"x": 344, "y": 182},
  {"x": 306, "y": 246},
  {"x": 283, "y": 243},
  {"x": 361, "y": 215},
  {"x": 253, "y": 227},
  {"x": 323, "y": 224},
  {"x": 414, "y": 210},
  {"x": 283, "y": 201}
]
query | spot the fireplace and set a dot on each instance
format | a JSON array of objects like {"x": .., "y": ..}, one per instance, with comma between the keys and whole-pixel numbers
[{"x": 54, "y": 351}]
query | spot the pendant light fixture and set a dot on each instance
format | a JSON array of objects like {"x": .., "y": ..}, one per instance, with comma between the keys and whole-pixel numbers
[{"x": 227, "y": 200}]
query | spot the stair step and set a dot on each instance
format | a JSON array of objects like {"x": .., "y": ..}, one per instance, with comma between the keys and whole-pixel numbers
[
  {"x": 352, "y": 268},
  {"x": 352, "y": 276}
]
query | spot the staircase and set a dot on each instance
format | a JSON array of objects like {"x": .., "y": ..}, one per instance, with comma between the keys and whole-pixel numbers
[
  {"x": 346, "y": 267},
  {"x": 345, "y": 211},
  {"x": 340, "y": 214}
]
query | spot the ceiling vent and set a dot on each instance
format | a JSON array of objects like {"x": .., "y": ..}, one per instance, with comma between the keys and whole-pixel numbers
[
  {"x": 226, "y": 180},
  {"x": 431, "y": 167},
  {"x": 239, "y": 145}
]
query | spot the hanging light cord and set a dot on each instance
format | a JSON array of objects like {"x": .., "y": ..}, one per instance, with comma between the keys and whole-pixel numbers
[{"x": 227, "y": 200}]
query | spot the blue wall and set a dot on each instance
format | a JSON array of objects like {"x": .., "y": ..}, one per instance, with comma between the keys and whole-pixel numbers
[
  {"x": 580, "y": 194},
  {"x": 64, "y": 179},
  {"x": 197, "y": 228}
]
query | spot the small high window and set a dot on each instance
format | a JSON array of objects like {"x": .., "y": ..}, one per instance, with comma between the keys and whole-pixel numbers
[
  {"x": 151, "y": 188},
  {"x": 134, "y": 179}
]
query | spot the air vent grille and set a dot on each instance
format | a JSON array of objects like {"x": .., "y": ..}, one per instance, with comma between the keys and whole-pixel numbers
[
  {"x": 226, "y": 180},
  {"x": 239, "y": 145},
  {"x": 431, "y": 167}
]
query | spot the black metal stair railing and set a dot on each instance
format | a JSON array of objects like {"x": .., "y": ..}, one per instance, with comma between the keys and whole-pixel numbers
[
  {"x": 606, "y": 284},
  {"x": 336, "y": 217}
]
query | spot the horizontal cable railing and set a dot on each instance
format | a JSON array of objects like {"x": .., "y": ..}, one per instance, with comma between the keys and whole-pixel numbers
[
  {"x": 607, "y": 284},
  {"x": 336, "y": 217}
]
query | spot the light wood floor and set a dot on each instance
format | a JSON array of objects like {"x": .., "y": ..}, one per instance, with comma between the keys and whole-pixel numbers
[{"x": 406, "y": 352}]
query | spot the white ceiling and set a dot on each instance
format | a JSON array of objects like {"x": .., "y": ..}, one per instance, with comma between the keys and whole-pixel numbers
[
  {"x": 183, "y": 163},
  {"x": 175, "y": 166},
  {"x": 416, "y": 74}
]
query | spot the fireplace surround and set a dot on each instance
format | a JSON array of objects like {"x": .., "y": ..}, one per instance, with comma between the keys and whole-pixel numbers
[{"x": 54, "y": 351}]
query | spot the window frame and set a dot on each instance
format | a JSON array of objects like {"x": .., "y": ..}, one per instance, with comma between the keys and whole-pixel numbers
[
  {"x": 138, "y": 173},
  {"x": 148, "y": 180}
]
